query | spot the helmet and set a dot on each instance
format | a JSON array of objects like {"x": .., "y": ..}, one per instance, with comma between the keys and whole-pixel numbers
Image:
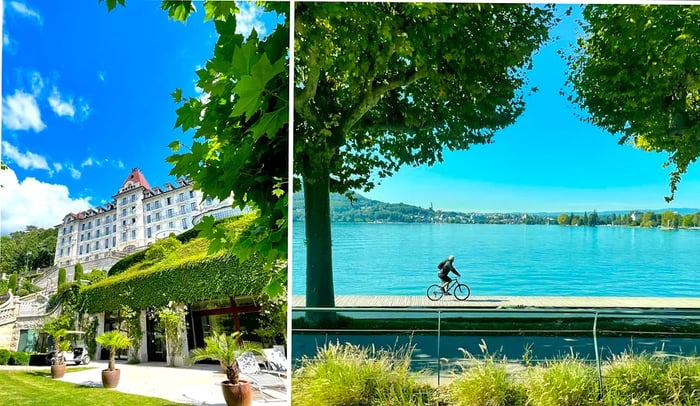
[{"x": 451, "y": 258}]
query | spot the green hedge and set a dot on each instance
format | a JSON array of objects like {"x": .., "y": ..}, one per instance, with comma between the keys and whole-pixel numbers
[
  {"x": 19, "y": 358},
  {"x": 212, "y": 277},
  {"x": 4, "y": 356},
  {"x": 126, "y": 262}
]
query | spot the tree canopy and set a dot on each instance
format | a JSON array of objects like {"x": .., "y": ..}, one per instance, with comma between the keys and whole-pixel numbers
[
  {"x": 29, "y": 249},
  {"x": 240, "y": 145},
  {"x": 382, "y": 85},
  {"x": 637, "y": 72}
]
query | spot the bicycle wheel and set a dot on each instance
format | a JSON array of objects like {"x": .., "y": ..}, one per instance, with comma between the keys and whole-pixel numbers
[
  {"x": 435, "y": 292},
  {"x": 461, "y": 291}
]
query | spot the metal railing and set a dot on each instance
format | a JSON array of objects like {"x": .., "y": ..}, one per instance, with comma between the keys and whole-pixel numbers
[{"x": 444, "y": 336}]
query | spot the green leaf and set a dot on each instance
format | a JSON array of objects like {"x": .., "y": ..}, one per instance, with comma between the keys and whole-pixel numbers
[
  {"x": 174, "y": 146},
  {"x": 244, "y": 57},
  {"x": 270, "y": 123},
  {"x": 177, "y": 95}
]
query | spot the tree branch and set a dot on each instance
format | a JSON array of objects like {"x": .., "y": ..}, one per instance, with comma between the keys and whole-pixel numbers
[
  {"x": 302, "y": 100},
  {"x": 371, "y": 97}
]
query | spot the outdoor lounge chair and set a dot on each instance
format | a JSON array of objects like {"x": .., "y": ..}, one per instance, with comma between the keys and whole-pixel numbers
[
  {"x": 251, "y": 371},
  {"x": 276, "y": 362}
]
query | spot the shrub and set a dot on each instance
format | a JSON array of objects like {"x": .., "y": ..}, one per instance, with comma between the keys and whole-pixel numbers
[
  {"x": 351, "y": 375},
  {"x": 61, "y": 277},
  {"x": 78, "y": 275},
  {"x": 565, "y": 382},
  {"x": 634, "y": 379},
  {"x": 12, "y": 284},
  {"x": 4, "y": 356},
  {"x": 162, "y": 248},
  {"x": 95, "y": 276},
  {"x": 19, "y": 358}
]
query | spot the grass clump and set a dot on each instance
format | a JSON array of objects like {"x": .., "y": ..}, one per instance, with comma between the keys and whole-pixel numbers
[
  {"x": 634, "y": 379},
  {"x": 682, "y": 381},
  {"x": 565, "y": 382},
  {"x": 353, "y": 375},
  {"x": 484, "y": 382}
]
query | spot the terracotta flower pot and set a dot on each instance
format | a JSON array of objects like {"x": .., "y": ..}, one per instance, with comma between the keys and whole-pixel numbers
[
  {"x": 239, "y": 394},
  {"x": 110, "y": 379},
  {"x": 57, "y": 371}
]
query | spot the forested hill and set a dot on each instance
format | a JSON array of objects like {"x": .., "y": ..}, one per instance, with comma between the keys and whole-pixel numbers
[{"x": 367, "y": 210}]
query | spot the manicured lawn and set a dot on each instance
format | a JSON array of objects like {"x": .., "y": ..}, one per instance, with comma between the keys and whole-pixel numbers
[{"x": 37, "y": 388}]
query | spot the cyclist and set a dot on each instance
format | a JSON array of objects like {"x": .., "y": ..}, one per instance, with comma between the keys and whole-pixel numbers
[{"x": 445, "y": 267}]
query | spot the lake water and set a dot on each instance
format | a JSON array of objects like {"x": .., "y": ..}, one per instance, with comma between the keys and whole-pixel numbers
[{"x": 509, "y": 260}]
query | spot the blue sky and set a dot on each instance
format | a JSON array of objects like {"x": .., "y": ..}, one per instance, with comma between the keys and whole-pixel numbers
[
  {"x": 86, "y": 98},
  {"x": 549, "y": 160}
]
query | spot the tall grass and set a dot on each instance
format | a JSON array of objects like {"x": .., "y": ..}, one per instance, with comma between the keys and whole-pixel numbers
[
  {"x": 631, "y": 379},
  {"x": 483, "y": 382},
  {"x": 683, "y": 381},
  {"x": 565, "y": 382},
  {"x": 352, "y": 375}
]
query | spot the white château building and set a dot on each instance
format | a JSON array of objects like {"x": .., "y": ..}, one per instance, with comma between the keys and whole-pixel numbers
[{"x": 138, "y": 216}]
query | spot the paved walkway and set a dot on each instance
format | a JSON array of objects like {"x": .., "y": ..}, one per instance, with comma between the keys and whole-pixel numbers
[
  {"x": 501, "y": 302},
  {"x": 194, "y": 385}
]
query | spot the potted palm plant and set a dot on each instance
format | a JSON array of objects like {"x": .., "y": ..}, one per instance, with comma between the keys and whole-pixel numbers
[
  {"x": 225, "y": 349},
  {"x": 112, "y": 340},
  {"x": 57, "y": 328}
]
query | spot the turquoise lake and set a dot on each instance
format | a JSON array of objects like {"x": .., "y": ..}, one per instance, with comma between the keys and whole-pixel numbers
[{"x": 509, "y": 260}]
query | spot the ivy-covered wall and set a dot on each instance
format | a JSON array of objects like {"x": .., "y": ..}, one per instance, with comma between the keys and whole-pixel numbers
[{"x": 212, "y": 277}]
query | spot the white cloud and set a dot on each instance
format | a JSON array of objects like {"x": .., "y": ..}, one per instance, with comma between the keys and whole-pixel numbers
[
  {"x": 74, "y": 173},
  {"x": 21, "y": 112},
  {"x": 25, "y": 11},
  {"x": 248, "y": 18},
  {"x": 58, "y": 166},
  {"x": 24, "y": 203},
  {"x": 28, "y": 160},
  {"x": 102, "y": 76},
  {"x": 59, "y": 106},
  {"x": 37, "y": 82},
  {"x": 87, "y": 162},
  {"x": 5, "y": 40}
]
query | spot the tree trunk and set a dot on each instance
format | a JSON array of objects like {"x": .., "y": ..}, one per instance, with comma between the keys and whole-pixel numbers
[{"x": 319, "y": 258}]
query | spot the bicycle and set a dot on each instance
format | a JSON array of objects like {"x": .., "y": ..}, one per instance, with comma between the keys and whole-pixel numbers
[{"x": 460, "y": 290}]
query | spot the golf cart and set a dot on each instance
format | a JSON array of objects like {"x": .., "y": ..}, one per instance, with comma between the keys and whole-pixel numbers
[{"x": 77, "y": 353}]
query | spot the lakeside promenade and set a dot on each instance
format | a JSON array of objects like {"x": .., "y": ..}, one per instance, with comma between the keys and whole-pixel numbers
[{"x": 506, "y": 302}]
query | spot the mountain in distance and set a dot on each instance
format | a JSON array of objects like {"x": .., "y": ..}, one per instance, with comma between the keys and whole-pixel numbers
[{"x": 363, "y": 209}]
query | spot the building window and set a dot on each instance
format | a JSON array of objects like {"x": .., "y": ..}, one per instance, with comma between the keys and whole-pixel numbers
[
  {"x": 191, "y": 194},
  {"x": 157, "y": 227},
  {"x": 158, "y": 216},
  {"x": 97, "y": 245},
  {"x": 97, "y": 234},
  {"x": 114, "y": 228},
  {"x": 107, "y": 230},
  {"x": 87, "y": 248},
  {"x": 148, "y": 219},
  {"x": 193, "y": 206},
  {"x": 171, "y": 225},
  {"x": 181, "y": 197},
  {"x": 133, "y": 198},
  {"x": 68, "y": 251},
  {"x": 148, "y": 206},
  {"x": 182, "y": 209},
  {"x": 81, "y": 250},
  {"x": 114, "y": 241},
  {"x": 169, "y": 200},
  {"x": 64, "y": 231},
  {"x": 71, "y": 229},
  {"x": 114, "y": 217},
  {"x": 70, "y": 238},
  {"x": 82, "y": 227},
  {"x": 108, "y": 219},
  {"x": 148, "y": 232},
  {"x": 184, "y": 224},
  {"x": 133, "y": 234},
  {"x": 156, "y": 204},
  {"x": 63, "y": 241},
  {"x": 106, "y": 243},
  {"x": 170, "y": 213},
  {"x": 123, "y": 212},
  {"x": 208, "y": 202},
  {"x": 133, "y": 210},
  {"x": 82, "y": 237},
  {"x": 61, "y": 254},
  {"x": 123, "y": 237},
  {"x": 97, "y": 223}
]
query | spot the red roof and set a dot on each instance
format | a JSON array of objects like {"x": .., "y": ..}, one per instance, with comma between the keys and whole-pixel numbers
[{"x": 136, "y": 177}]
